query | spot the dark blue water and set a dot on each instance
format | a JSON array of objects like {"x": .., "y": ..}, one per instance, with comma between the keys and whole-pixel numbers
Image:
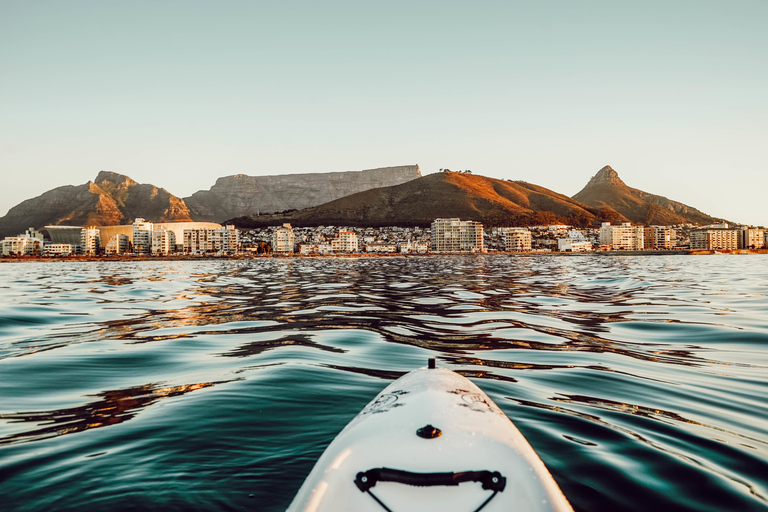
[{"x": 642, "y": 382}]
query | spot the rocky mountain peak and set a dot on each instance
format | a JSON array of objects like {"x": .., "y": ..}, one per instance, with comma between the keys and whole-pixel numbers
[
  {"x": 113, "y": 178},
  {"x": 605, "y": 176}
]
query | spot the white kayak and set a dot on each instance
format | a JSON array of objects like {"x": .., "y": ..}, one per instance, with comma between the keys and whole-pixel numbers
[{"x": 432, "y": 440}]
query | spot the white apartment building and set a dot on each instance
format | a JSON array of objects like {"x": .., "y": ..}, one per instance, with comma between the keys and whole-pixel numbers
[
  {"x": 142, "y": 236},
  {"x": 751, "y": 238},
  {"x": 517, "y": 240},
  {"x": 659, "y": 237},
  {"x": 625, "y": 237},
  {"x": 413, "y": 247},
  {"x": 283, "y": 239},
  {"x": 455, "y": 235},
  {"x": 118, "y": 244},
  {"x": 163, "y": 241},
  {"x": 30, "y": 242},
  {"x": 217, "y": 241},
  {"x": 59, "y": 249},
  {"x": 381, "y": 248},
  {"x": 572, "y": 245},
  {"x": 345, "y": 241},
  {"x": 90, "y": 240},
  {"x": 714, "y": 239},
  {"x": 320, "y": 248}
]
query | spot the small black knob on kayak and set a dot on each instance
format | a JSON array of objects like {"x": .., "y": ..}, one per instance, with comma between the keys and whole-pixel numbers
[
  {"x": 429, "y": 432},
  {"x": 431, "y": 363}
]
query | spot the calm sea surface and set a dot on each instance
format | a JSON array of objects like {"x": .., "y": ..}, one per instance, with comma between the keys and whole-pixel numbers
[{"x": 642, "y": 382}]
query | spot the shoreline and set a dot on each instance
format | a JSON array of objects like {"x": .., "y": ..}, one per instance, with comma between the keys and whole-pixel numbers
[{"x": 239, "y": 257}]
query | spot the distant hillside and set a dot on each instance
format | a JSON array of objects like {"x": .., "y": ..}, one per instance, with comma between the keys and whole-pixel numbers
[
  {"x": 238, "y": 195},
  {"x": 607, "y": 190},
  {"x": 445, "y": 194},
  {"x": 109, "y": 200}
]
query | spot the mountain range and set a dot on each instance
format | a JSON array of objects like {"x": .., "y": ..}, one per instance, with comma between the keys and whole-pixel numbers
[{"x": 377, "y": 197}]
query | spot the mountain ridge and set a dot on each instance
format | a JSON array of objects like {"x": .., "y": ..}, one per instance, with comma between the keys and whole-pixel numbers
[{"x": 607, "y": 190}]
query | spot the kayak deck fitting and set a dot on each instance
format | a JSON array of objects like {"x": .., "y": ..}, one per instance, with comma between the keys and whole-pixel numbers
[{"x": 431, "y": 440}]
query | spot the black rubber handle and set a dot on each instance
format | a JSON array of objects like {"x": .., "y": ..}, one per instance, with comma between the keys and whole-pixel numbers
[{"x": 491, "y": 480}]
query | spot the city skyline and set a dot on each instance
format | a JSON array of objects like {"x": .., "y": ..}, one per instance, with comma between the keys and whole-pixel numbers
[{"x": 180, "y": 94}]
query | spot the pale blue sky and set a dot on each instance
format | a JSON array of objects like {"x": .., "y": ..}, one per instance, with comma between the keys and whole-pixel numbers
[{"x": 671, "y": 94}]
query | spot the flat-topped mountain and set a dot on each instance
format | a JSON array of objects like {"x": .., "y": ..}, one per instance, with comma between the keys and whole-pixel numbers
[
  {"x": 109, "y": 200},
  {"x": 238, "y": 195},
  {"x": 607, "y": 190},
  {"x": 444, "y": 194}
]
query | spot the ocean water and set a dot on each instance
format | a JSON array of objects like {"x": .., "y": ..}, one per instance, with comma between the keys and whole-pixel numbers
[{"x": 642, "y": 382}]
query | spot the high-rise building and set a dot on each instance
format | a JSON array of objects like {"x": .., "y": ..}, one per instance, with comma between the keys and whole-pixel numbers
[
  {"x": 118, "y": 244},
  {"x": 225, "y": 240},
  {"x": 163, "y": 241},
  {"x": 142, "y": 236},
  {"x": 456, "y": 235},
  {"x": 659, "y": 237},
  {"x": 751, "y": 238},
  {"x": 625, "y": 237},
  {"x": 90, "y": 240},
  {"x": 345, "y": 241},
  {"x": 714, "y": 239},
  {"x": 283, "y": 239}
]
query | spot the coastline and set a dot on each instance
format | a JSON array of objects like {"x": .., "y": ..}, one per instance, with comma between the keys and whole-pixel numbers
[{"x": 93, "y": 259}]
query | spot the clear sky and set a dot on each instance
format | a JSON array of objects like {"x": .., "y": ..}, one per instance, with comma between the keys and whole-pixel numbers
[{"x": 672, "y": 94}]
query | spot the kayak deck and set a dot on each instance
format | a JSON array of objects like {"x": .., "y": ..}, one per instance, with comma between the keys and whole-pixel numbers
[{"x": 419, "y": 433}]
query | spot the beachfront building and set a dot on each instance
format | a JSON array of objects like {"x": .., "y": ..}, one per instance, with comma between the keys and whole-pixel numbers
[
  {"x": 625, "y": 237},
  {"x": 517, "y": 240},
  {"x": 163, "y": 241},
  {"x": 90, "y": 241},
  {"x": 319, "y": 248},
  {"x": 283, "y": 239},
  {"x": 118, "y": 244},
  {"x": 345, "y": 241},
  {"x": 142, "y": 236},
  {"x": 456, "y": 235},
  {"x": 59, "y": 250},
  {"x": 381, "y": 248},
  {"x": 31, "y": 242},
  {"x": 659, "y": 238},
  {"x": 751, "y": 238},
  {"x": 575, "y": 241},
  {"x": 413, "y": 247},
  {"x": 225, "y": 240},
  {"x": 715, "y": 239}
]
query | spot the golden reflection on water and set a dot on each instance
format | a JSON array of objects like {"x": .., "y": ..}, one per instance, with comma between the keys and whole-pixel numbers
[{"x": 114, "y": 407}]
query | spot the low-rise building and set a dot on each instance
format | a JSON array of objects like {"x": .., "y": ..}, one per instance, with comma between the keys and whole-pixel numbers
[
  {"x": 517, "y": 240},
  {"x": 60, "y": 250},
  {"x": 319, "y": 248},
  {"x": 413, "y": 247},
  {"x": 571, "y": 245},
  {"x": 381, "y": 248},
  {"x": 31, "y": 242}
]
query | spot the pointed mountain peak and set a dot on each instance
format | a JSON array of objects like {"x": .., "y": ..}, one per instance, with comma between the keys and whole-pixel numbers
[
  {"x": 605, "y": 176},
  {"x": 114, "y": 178}
]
